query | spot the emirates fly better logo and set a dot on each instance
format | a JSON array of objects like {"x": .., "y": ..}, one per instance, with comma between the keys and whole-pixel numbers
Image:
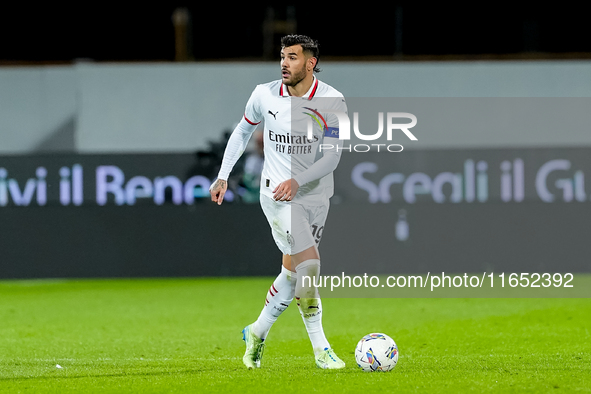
[{"x": 343, "y": 132}]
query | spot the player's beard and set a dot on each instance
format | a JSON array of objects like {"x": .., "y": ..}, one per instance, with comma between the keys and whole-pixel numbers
[{"x": 297, "y": 77}]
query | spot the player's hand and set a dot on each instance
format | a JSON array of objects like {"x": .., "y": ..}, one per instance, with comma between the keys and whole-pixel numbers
[
  {"x": 218, "y": 190},
  {"x": 286, "y": 190}
]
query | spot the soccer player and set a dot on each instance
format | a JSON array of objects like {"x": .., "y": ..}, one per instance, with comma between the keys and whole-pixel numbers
[{"x": 296, "y": 184}]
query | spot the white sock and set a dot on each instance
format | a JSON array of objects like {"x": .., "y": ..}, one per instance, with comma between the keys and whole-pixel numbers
[
  {"x": 309, "y": 303},
  {"x": 278, "y": 299}
]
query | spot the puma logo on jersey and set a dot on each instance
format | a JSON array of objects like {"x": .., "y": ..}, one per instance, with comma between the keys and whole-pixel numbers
[{"x": 274, "y": 114}]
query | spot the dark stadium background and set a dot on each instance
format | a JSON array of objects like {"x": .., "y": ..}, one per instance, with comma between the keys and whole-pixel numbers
[{"x": 53, "y": 32}]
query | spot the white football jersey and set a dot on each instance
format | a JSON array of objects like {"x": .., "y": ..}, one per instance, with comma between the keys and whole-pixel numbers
[{"x": 288, "y": 150}]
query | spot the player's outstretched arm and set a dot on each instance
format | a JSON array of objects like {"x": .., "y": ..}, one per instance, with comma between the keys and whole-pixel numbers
[
  {"x": 324, "y": 166},
  {"x": 236, "y": 146}
]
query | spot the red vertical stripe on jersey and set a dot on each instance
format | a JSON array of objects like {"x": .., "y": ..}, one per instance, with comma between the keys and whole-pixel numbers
[
  {"x": 281, "y": 90},
  {"x": 313, "y": 90},
  {"x": 252, "y": 123}
]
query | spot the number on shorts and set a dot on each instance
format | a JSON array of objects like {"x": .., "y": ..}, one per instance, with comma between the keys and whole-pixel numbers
[{"x": 317, "y": 232}]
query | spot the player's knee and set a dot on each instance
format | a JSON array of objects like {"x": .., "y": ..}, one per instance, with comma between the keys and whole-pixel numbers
[
  {"x": 306, "y": 255},
  {"x": 309, "y": 267},
  {"x": 308, "y": 279}
]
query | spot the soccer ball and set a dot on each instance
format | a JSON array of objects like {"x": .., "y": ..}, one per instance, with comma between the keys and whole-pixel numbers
[{"x": 376, "y": 352}]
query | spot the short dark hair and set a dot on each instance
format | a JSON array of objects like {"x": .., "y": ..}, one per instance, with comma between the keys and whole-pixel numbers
[{"x": 308, "y": 45}]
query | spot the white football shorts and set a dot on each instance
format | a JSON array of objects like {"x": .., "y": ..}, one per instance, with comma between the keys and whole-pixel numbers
[{"x": 295, "y": 227}]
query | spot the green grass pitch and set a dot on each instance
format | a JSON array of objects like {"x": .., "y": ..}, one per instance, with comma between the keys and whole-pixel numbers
[{"x": 183, "y": 336}]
